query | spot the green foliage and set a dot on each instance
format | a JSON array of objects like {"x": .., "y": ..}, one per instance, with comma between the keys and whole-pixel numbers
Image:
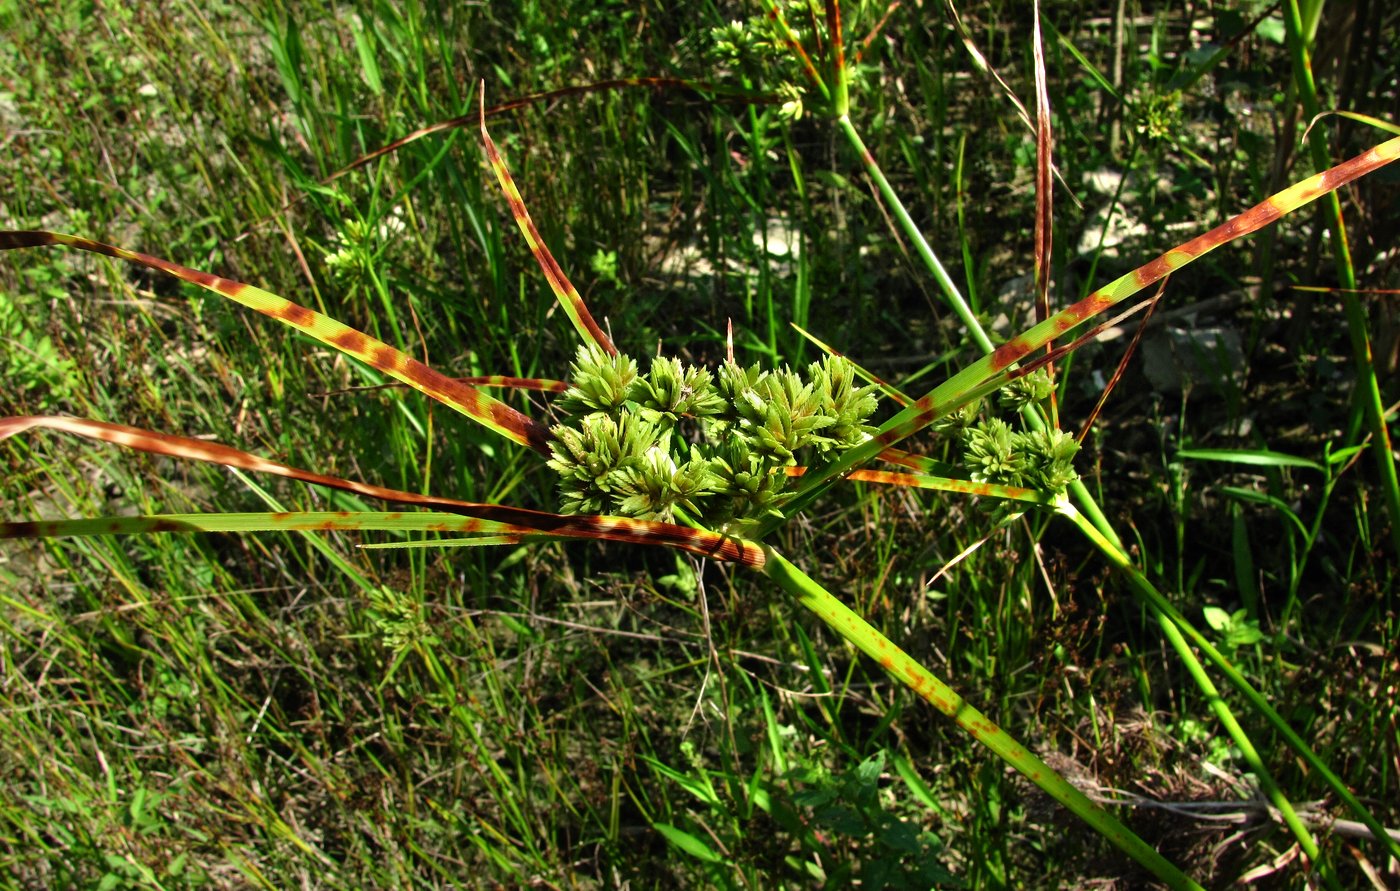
[
  {"x": 357, "y": 248},
  {"x": 755, "y": 45},
  {"x": 33, "y": 363},
  {"x": 759, "y": 49},
  {"x": 399, "y": 619},
  {"x": 838, "y": 826},
  {"x": 1158, "y": 115},
  {"x": 240, "y": 682},
  {"x": 604, "y": 265},
  {"x": 599, "y": 383},
  {"x": 1236, "y": 629},
  {"x": 1027, "y": 389},
  {"x": 1216, "y": 746},
  {"x": 897, "y": 853},
  {"x": 676, "y": 438}
]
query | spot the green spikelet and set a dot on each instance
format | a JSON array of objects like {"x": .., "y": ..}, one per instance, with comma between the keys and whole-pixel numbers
[
  {"x": 1025, "y": 390},
  {"x": 598, "y": 382},
  {"x": 682, "y": 438}
]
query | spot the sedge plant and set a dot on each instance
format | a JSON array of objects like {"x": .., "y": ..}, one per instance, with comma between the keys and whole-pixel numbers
[{"x": 714, "y": 461}]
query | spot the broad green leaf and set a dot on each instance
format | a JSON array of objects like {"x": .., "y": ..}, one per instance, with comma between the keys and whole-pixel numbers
[
  {"x": 1253, "y": 457},
  {"x": 1216, "y": 618},
  {"x": 688, "y": 843}
]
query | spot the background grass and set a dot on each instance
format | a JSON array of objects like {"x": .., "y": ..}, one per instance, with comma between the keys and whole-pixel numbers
[{"x": 275, "y": 710}]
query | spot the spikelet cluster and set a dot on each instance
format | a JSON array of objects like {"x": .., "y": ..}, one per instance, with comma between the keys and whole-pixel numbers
[
  {"x": 994, "y": 452},
  {"x": 682, "y": 437}
]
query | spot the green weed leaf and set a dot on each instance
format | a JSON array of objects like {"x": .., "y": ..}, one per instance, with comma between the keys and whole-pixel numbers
[{"x": 688, "y": 843}]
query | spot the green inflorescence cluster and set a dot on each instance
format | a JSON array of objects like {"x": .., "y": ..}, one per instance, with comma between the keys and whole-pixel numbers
[
  {"x": 712, "y": 444},
  {"x": 995, "y": 452}
]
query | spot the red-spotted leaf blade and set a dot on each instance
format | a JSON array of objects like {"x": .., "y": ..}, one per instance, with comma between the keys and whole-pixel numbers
[
  {"x": 974, "y": 380},
  {"x": 479, "y": 541},
  {"x": 488, "y": 411},
  {"x": 919, "y": 463},
  {"x": 840, "y": 87},
  {"x": 538, "y": 384},
  {"x": 940, "y": 483},
  {"x": 504, "y": 518},
  {"x": 794, "y": 43},
  {"x": 951, "y": 393},
  {"x": 1044, "y": 181},
  {"x": 564, "y": 290},
  {"x": 306, "y": 521},
  {"x": 950, "y": 484}
]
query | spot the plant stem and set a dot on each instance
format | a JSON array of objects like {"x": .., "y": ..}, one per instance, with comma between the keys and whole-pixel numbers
[
  {"x": 1165, "y": 610},
  {"x": 1232, "y": 726},
  {"x": 951, "y": 292},
  {"x": 908, "y": 671},
  {"x": 1299, "y": 35},
  {"x": 921, "y": 246},
  {"x": 1096, "y": 525}
]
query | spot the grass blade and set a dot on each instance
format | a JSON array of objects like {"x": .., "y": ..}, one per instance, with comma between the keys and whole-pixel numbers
[
  {"x": 1371, "y": 401},
  {"x": 537, "y": 384},
  {"x": 955, "y": 391},
  {"x": 485, "y": 410},
  {"x": 931, "y": 689},
  {"x": 1169, "y": 613},
  {"x": 508, "y": 519},
  {"x": 1252, "y": 457},
  {"x": 1044, "y": 182},
  {"x": 569, "y": 297},
  {"x": 950, "y": 484},
  {"x": 266, "y": 521}
]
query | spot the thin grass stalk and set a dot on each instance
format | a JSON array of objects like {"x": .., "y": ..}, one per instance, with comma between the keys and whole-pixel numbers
[
  {"x": 834, "y": 610},
  {"x": 1226, "y": 716},
  {"x": 1164, "y": 608},
  {"x": 910, "y": 672},
  {"x": 840, "y": 97},
  {"x": 1092, "y": 520},
  {"x": 911, "y": 230},
  {"x": 484, "y": 409},
  {"x": 470, "y": 723},
  {"x": 1368, "y": 387},
  {"x": 794, "y": 42},
  {"x": 952, "y": 392}
]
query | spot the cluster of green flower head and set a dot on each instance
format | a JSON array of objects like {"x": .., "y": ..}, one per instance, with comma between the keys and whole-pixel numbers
[
  {"x": 994, "y": 452},
  {"x": 680, "y": 437}
]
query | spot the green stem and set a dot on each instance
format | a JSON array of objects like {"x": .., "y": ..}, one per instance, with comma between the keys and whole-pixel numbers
[
  {"x": 953, "y": 295},
  {"x": 1097, "y": 527},
  {"x": 955, "y": 299},
  {"x": 908, "y": 671},
  {"x": 1165, "y": 610},
  {"x": 1299, "y": 35},
  {"x": 1251, "y": 755},
  {"x": 921, "y": 246}
]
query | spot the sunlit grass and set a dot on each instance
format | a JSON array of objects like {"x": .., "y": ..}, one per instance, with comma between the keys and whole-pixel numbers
[{"x": 416, "y": 717}]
